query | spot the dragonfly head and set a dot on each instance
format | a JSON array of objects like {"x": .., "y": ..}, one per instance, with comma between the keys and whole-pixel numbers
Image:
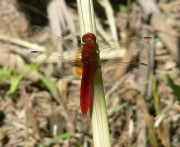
[{"x": 89, "y": 37}]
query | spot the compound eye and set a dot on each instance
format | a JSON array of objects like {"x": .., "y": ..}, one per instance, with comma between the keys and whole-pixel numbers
[
  {"x": 84, "y": 37},
  {"x": 88, "y": 36},
  {"x": 92, "y": 36}
]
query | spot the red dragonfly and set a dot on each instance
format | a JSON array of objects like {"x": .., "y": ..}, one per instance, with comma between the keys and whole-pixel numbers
[{"x": 84, "y": 60}]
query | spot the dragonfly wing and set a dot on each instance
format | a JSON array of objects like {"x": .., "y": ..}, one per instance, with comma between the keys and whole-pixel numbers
[
  {"x": 70, "y": 56},
  {"x": 116, "y": 59},
  {"x": 133, "y": 47},
  {"x": 54, "y": 40},
  {"x": 73, "y": 65},
  {"x": 120, "y": 70},
  {"x": 43, "y": 34}
]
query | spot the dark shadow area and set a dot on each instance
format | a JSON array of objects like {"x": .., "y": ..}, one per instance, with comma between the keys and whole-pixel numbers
[
  {"x": 2, "y": 117},
  {"x": 35, "y": 11}
]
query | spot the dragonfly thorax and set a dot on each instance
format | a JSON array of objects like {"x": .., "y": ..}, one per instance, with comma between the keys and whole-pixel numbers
[{"x": 88, "y": 52}]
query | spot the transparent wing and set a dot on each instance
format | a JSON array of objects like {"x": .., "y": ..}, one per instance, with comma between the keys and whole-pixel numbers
[
  {"x": 133, "y": 47},
  {"x": 43, "y": 33},
  {"x": 70, "y": 56},
  {"x": 113, "y": 73},
  {"x": 55, "y": 41},
  {"x": 117, "y": 59},
  {"x": 71, "y": 66}
]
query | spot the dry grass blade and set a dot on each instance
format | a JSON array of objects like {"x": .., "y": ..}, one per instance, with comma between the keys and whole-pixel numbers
[
  {"x": 21, "y": 42},
  {"x": 61, "y": 19},
  {"x": 29, "y": 112},
  {"x": 110, "y": 15}
]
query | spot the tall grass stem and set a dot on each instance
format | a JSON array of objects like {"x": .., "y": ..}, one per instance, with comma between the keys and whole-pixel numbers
[{"x": 98, "y": 110}]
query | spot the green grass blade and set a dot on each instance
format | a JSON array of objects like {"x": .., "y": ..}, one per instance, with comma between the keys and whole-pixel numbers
[
  {"x": 170, "y": 82},
  {"x": 55, "y": 139},
  {"x": 155, "y": 97},
  {"x": 98, "y": 110}
]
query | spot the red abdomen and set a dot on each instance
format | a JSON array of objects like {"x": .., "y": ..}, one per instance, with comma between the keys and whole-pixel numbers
[{"x": 86, "y": 89}]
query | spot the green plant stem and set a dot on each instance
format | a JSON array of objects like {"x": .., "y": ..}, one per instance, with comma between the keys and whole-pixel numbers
[
  {"x": 149, "y": 122},
  {"x": 155, "y": 96},
  {"x": 98, "y": 110}
]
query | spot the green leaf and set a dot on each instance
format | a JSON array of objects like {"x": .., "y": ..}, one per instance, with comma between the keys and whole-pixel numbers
[
  {"x": 15, "y": 80},
  {"x": 6, "y": 73},
  {"x": 9, "y": 73},
  {"x": 56, "y": 138},
  {"x": 122, "y": 8},
  {"x": 170, "y": 82}
]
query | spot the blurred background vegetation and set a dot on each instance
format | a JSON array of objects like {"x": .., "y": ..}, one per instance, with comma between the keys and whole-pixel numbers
[{"x": 37, "y": 108}]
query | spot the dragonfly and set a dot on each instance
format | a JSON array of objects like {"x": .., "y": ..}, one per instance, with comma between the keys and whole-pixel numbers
[{"x": 84, "y": 61}]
